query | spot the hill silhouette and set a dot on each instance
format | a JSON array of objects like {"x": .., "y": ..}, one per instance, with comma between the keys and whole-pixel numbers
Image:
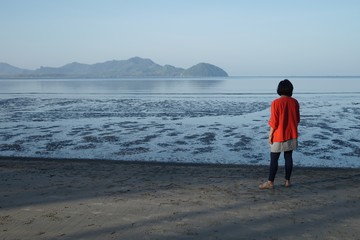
[{"x": 133, "y": 67}]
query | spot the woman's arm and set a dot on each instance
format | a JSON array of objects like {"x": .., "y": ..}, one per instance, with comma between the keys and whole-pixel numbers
[{"x": 270, "y": 140}]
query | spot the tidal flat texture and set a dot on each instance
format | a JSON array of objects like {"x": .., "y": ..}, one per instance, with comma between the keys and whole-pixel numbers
[{"x": 176, "y": 128}]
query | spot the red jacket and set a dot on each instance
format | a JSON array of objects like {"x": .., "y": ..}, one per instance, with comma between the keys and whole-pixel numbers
[{"x": 284, "y": 118}]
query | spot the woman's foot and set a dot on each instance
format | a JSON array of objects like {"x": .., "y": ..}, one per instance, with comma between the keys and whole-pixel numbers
[
  {"x": 287, "y": 183},
  {"x": 267, "y": 185}
]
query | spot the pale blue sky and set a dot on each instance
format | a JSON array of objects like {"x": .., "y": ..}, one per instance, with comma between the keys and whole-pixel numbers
[{"x": 253, "y": 37}]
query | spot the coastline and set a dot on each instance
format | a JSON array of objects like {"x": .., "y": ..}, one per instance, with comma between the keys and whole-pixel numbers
[
  {"x": 169, "y": 163},
  {"x": 101, "y": 199}
]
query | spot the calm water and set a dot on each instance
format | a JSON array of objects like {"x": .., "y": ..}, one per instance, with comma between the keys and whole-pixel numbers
[{"x": 231, "y": 85}]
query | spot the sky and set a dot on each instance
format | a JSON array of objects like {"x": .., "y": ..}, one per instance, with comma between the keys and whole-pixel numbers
[{"x": 244, "y": 37}]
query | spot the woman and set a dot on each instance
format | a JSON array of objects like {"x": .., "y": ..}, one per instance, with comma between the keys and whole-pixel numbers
[{"x": 284, "y": 120}]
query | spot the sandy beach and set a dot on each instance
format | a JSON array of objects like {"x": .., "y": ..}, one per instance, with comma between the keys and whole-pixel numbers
[{"x": 72, "y": 199}]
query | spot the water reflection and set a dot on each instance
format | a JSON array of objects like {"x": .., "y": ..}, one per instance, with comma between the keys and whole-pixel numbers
[
  {"x": 232, "y": 85},
  {"x": 109, "y": 86}
]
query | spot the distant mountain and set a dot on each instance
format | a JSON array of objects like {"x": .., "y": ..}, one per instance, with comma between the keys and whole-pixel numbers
[
  {"x": 7, "y": 69},
  {"x": 204, "y": 70},
  {"x": 133, "y": 67}
]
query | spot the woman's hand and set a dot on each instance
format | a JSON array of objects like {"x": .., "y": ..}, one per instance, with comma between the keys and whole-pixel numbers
[
  {"x": 271, "y": 135},
  {"x": 270, "y": 139}
]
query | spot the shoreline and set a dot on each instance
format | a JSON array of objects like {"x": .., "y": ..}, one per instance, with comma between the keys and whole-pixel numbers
[
  {"x": 164, "y": 163},
  {"x": 108, "y": 199}
]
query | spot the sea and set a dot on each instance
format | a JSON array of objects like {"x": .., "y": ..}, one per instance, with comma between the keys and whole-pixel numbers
[{"x": 183, "y": 120}]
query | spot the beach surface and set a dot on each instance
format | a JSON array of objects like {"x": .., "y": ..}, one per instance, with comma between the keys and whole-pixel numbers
[{"x": 83, "y": 199}]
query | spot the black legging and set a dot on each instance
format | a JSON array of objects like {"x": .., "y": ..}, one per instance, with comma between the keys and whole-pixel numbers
[{"x": 274, "y": 164}]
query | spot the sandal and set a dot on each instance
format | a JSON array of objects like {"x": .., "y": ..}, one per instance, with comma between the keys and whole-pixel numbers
[{"x": 266, "y": 185}]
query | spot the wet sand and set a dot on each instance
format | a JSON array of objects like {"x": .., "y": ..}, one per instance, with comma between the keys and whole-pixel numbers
[
  {"x": 224, "y": 129},
  {"x": 71, "y": 199}
]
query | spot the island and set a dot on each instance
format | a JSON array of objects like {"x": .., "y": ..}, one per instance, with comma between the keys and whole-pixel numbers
[{"x": 133, "y": 67}]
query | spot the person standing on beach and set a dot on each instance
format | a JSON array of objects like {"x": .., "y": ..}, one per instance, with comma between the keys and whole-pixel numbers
[{"x": 284, "y": 120}]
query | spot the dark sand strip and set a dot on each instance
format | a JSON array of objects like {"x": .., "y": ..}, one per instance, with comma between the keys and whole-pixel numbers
[{"x": 84, "y": 199}]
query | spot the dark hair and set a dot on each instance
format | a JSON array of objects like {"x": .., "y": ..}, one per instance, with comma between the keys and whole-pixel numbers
[{"x": 285, "y": 87}]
